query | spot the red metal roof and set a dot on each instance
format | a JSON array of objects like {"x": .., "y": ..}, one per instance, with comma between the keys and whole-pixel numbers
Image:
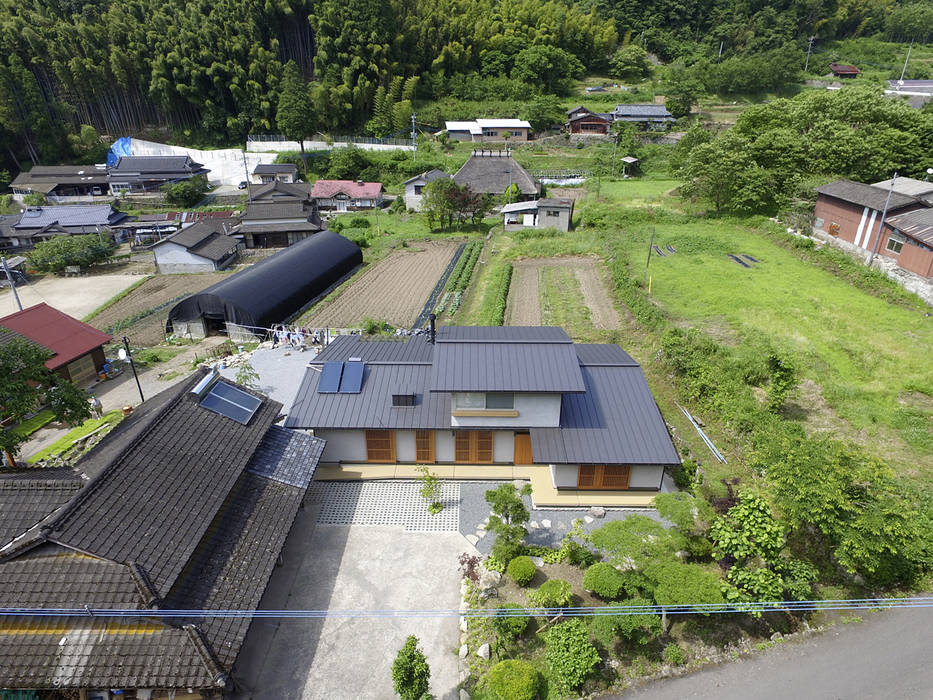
[
  {"x": 355, "y": 190},
  {"x": 843, "y": 69},
  {"x": 66, "y": 337}
]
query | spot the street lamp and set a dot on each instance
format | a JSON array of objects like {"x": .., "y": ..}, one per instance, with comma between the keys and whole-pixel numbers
[{"x": 124, "y": 354}]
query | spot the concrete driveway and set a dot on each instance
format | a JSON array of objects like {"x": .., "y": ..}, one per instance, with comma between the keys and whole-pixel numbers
[{"x": 353, "y": 567}]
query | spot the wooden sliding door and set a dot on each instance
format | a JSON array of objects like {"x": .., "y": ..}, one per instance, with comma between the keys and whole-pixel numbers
[
  {"x": 473, "y": 447},
  {"x": 380, "y": 446},
  {"x": 603, "y": 476}
]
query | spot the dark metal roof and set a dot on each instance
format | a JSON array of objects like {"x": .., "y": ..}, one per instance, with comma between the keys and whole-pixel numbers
[
  {"x": 865, "y": 195},
  {"x": 414, "y": 349},
  {"x": 372, "y": 407},
  {"x": 503, "y": 366},
  {"x": 615, "y": 421},
  {"x": 502, "y": 334},
  {"x": 163, "y": 166},
  {"x": 599, "y": 355},
  {"x": 270, "y": 168},
  {"x": 279, "y": 191},
  {"x": 916, "y": 224},
  {"x": 170, "y": 483},
  {"x": 58, "y": 174},
  {"x": 492, "y": 172}
]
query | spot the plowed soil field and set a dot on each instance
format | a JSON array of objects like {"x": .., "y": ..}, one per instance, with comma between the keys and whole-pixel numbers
[
  {"x": 524, "y": 308},
  {"x": 151, "y": 294},
  {"x": 395, "y": 289}
]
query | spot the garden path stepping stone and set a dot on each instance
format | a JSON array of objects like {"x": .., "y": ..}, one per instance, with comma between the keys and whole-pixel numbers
[{"x": 545, "y": 523}]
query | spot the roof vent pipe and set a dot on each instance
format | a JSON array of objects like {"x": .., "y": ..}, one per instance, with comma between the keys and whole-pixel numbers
[{"x": 433, "y": 318}]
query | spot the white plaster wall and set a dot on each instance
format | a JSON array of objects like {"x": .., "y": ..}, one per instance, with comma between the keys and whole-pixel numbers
[
  {"x": 564, "y": 475},
  {"x": 174, "y": 254},
  {"x": 343, "y": 445},
  {"x": 503, "y": 446},
  {"x": 405, "y": 445},
  {"x": 534, "y": 411},
  {"x": 646, "y": 476},
  {"x": 444, "y": 445}
]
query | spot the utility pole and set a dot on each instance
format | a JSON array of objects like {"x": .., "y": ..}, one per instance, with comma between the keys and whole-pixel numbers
[
  {"x": 884, "y": 214},
  {"x": 414, "y": 139},
  {"x": 128, "y": 356},
  {"x": 650, "y": 246},
  {"x": 9, "y": 276},
  {"x": 246, "y": 170},
  {"x": 904, "y": 69},
  {"x": 720, "y": 50},
  {"x": 809, "y": 49}
]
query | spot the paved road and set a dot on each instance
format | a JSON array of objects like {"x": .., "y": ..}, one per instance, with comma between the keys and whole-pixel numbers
[{"x": 885, "y": 657}]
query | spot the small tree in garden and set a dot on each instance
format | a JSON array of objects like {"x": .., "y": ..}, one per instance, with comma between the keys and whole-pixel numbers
[
  {"x": 569, "y": 653},
  {"x": 514, "y": 679},
  {"x": 508, "y": 520},
  {"x": 430, "y": 489},
  {"x": 247, "y": 376},
  {"x": 410, "y": 671}
]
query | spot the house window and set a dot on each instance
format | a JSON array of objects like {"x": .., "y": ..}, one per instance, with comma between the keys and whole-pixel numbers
[
  {"x": 400, "y": 400},
  {"x": 424, "y": 446},
  {"x": 552, "y": 212},
  {"x": 380, "y": 446},
  {"x": 896, "y": 242},
  {"x": 473, "y": 447},
  {"x": 603, "y": 476},
  {"x": 491, "y": 401},
  {"x": 419, "y": 189}
]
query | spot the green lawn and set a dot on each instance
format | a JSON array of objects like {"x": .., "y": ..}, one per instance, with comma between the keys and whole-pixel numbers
[
  {"x": 869, "y": 358},
  {"x": 66, "y": 442},
  {"x": 28, "y": 427}
]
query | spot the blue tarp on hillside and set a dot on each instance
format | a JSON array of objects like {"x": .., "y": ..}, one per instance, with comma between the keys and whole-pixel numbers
[{"x": 121, "y": 147}]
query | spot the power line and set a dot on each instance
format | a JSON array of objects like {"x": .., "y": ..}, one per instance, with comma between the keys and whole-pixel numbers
[{"x": 585, "y": 611}]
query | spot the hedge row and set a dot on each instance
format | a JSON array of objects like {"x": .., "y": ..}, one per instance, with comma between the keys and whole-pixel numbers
[
  {"x": 463, "y": 270},
  {"x": 496, "y": 296}
]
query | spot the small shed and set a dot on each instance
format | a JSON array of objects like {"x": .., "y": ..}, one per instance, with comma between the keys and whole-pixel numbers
[
  {"x": 843, "y": 70},
  {"x": 414, "y": 187},
  {"x": 541, "y": 213},
  {"x": 274, "y": 290},
  {"x": 629, "y": 165},
  {"x": 201, "y": 247}
]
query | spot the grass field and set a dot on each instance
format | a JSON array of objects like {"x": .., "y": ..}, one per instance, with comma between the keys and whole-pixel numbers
[{"x": 65, "y": 443}]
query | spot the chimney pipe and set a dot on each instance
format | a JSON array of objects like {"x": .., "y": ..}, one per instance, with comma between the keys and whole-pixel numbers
[{"x": 433, "y": 318}]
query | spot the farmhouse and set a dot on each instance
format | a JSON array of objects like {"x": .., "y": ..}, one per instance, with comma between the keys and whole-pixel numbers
[
  {"x": 851, "y": 211},
  {"x": 188, "y": 507},
  {"x": 645, "y": 116},
  {"x": 278, "y": 215},
  {"x": 541, "y": 213},
  {"x": 495, "y": 402},
  {"x": 842, "y": 70},
  {"x": 908, "y": 238},
  {"x": 493, "y": 172},
  {"x": 582, "y": 121},
  {"x": 140, "y": 174},
  {"x": 76, "y": 348},
  {"x": 37, "y": 224},
  {"x": 414, "y": 187},
  {"x": 265, "y": 173},
  {"x": 201, "y": 247},
  {"x": 273, "y": 290},
  {"x": 482, "y": 130},
  {"x": 62, "y": 183},
  {"x": 347, "y": 195}
]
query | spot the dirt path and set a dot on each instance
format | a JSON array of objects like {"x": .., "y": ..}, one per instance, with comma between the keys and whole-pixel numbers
[
  {"x": 524, "y": 307},
  {"x": 395, "y": 289}
]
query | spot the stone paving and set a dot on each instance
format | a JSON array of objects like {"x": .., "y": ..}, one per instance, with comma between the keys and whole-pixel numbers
[{"x": 385, "y": 503}]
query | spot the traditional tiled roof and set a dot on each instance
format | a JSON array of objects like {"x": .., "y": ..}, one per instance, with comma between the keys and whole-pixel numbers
[
  {"x": 217, "y": 519},
  {"x": 275, "y": 168},
  {"x": 28, "y": 496},
  {"x": 277, "y": 191},
  {"x": 156, "y": 165},
  {"x": 69, "y": 216},
  {"x": 66, "y": 337},
  {"x": 325, "y": 189},
  {"x": 428, "y": 176},
  {"x": 491, "y": 172},
  {"x": 639, "y": 112},
  {"x": 206, "y": 239}
]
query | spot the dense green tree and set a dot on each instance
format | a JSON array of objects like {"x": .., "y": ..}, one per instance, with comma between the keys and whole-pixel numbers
[
  {"x": 26, "y": 384},
  {"x": 629, "y": 63},
  {"x": 186, "y": 193},
  {"x": 295, "y": 115},
  {"x": 410, "y": 671},
  {"x": 60, "y": 252},
  {"x": 551, "y": 68},
  {"x": 544, "y": 111}
]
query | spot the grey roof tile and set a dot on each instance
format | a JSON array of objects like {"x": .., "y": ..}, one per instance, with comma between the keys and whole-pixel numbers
[
  {"x": 24, "y": 501},
  {"x": 415, "y": 349},
  {"x": 865, "y": 195},
  {"x": 287, "y": 456},
  {"x": 649, "y": 111},
  {"x": 69, "y": 216}
]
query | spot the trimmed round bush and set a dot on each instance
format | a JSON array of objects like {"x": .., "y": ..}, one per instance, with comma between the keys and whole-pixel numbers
[
  {"x": 605, "y": 581},
  {"x": 514, "y": 679},
  {"x": 513, "y": 626},
  {"x": 555, "y": 593},
  {"x": 521, "y": 570}
]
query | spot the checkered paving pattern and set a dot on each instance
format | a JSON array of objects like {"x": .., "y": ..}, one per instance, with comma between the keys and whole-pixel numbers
[{"x": 385, "y": 503}]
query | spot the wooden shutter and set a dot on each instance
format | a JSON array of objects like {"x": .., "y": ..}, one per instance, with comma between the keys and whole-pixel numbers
[
  {"x": 462, "y": 447},
  {"x": 483, "y": 452},
  {"x": 380, "y": 446},
  {"x": 615, "y": 476},
  {"x": 424, "y": 446},
  {"x": 586, "y": 476}
]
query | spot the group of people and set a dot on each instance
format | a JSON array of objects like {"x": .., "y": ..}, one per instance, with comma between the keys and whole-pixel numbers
[{"x": 295, "y": 337}]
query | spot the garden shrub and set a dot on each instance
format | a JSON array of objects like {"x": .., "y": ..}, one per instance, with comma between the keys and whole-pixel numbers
[
  {"x": 550, "y": 556},
  {"x": 496, "y": 297},
  {"x": 604, "y": 580},
  {"x": 569, "y": 654},
  {"x": 514, "y": 679},
  {"x": 359, "y": 222},
  {"x": 637, "y": 629},
  {"x": 521, "y": 570},
  {"x": 673, "y": 654},
  {"x": 410, "y": 671},
  {"x": 685, "y": 474},
  {"x": 512, "y": 626},
  {"x": 555, "y": 593}
]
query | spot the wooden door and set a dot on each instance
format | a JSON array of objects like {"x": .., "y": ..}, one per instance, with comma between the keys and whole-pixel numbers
[
  {"x": 523, "y": 453},
  {"x": 473, "y": 447},
  {"x": 380, "y": 446},
  {"x": 604, "y": 476},
  {"x": 424, "y": 446}
]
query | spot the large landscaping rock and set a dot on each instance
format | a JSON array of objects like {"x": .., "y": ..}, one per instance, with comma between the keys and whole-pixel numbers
[
  {"x": 483, "y": 652},
  {"x": 597, "y": 512}
]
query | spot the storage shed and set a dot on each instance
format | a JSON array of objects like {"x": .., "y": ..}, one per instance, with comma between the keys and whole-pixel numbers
[{"x": 272, "y": 291}]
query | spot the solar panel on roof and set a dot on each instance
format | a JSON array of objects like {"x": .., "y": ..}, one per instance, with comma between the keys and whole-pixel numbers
[
  {"x": 330, "y": 378},
  {"x": 231, "y": 402},
  {"x": 352, "y": 381}
]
